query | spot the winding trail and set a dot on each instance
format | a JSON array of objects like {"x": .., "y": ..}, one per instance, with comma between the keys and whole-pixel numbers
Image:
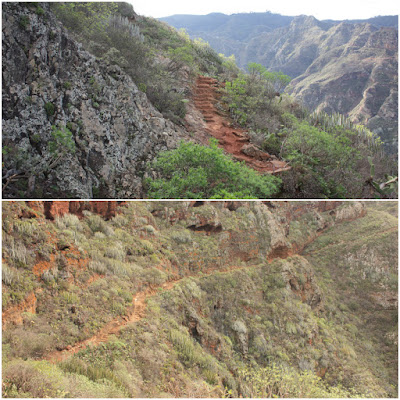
[
  {"x": 137, "y": 310},
  {"x": 234, "y": 141},
  {"x": 134, "y": 313}
]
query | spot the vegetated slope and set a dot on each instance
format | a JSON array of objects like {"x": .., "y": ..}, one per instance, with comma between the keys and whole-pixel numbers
[
  {"x": 234, "y": 141},
  {"x": 94, "y": 96},
  {"x": 357, "y": 60},
  {"x": 75, "y": 123},
  {"x": 203, "y": 299}
]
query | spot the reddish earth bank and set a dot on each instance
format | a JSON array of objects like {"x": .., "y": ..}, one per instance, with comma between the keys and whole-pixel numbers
[{"x": 233, "y": 140}]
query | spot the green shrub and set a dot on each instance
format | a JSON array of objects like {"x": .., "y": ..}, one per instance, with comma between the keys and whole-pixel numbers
[
  {"x": 8, "y": 275},
  {"x": 324, "y": 164},
  {"x": 22, "y": 379},
  {"x": 281, "y": 382},
  {"x": 195, "y": 171},
  {"x": 39, "y": 11},
  {"x": 24, "y": 21},
  {"x": 36, "y": 139},
  {"x": 97, "y": 224},
  {"x": 50, "y": 109},
  {"x": 272, "y": 144}
]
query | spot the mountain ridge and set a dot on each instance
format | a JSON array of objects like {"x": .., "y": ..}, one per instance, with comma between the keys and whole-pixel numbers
[{"x": 298, "y": 47}]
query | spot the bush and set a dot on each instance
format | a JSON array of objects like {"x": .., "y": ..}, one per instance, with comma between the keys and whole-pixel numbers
[
  {"x": 39, "y": 11},
  {"x": 250, "y": 96},
  {"x": 68, "y": 221},
  {"x": 195, "y": 171},
  {"x": 63, "y": 141},
  {"x": 23, "y": 378},
  {"x": 50, "y": 109},
  {"x": 277, "y": 381},
  {"x": 24, "y": 21},
  {"x": 8, "y": 276},
  {"x": 97, "y": 224},
  {"x": 324, "y": 164}
]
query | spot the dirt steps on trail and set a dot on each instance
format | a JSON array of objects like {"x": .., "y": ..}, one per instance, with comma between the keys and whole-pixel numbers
[{"x": 233, "y": 140}]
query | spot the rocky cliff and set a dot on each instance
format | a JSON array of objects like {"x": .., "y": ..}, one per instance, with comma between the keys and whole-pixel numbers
[
  {"x": 190, "y": 298},
  {"x": 73, "y": 125}
]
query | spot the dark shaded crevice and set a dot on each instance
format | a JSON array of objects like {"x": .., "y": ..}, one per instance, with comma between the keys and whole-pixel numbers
[
  {"x": 269, "y": 204},
  {"x": 233, "y": 205},
  {"x": 279, "y": 252},
  {"x": 47, "y": 210},
  {"x": 206, "y": 228}
]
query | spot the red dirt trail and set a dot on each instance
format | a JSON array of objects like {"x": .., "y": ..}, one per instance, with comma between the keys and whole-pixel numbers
[
  {"x": 133, "y": 314},
  {"x": 233, "y": 141},
  {"x": 137, "y": 310}
]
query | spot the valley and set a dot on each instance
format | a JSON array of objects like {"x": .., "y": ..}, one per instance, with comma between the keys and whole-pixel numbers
[{"x": 357, "y": 59}]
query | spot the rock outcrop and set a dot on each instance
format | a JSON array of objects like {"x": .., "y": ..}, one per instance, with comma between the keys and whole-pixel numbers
[
  {"x": 107, "y": 129},
  {"x": 53, "y": 209}
]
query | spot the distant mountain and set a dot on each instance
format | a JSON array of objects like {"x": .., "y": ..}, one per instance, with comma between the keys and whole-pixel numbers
[
  {"x": 337, "y": 66},
  {"x": 230, "y": 32},
  {"x": 380, "y": 21}
]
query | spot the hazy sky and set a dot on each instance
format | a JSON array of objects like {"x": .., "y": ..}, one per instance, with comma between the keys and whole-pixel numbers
[{"x": 321, "y": 9}]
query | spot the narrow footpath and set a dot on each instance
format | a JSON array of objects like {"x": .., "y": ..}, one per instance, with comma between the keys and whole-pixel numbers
[
  {"x": 134, "y": 313},
  {"x": 233, "y": 140}
]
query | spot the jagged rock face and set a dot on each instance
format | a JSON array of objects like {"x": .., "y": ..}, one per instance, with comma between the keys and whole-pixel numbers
[
  {"x": 273, "y": 230},
  {"x": 114, "y": 127},
  {"x": 356, "y": 77}
]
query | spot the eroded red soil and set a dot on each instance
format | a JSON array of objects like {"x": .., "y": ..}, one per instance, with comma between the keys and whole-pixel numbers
[
  {"x": 233, "y": 140},
  {"x": 133, "y": 314}
]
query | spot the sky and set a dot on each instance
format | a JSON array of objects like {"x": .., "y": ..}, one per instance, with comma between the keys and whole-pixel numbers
[{"x": 320, "y": 9}]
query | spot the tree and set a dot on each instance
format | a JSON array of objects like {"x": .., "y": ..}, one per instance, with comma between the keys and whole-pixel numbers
[{"x": 277, "y": 79}]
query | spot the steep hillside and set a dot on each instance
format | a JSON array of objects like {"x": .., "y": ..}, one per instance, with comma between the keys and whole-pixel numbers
[
  {"x": 91, "y": 94},
  {"x": 99, "y": 102},
  {"x": 72, "y": 123},
  {"x": 203, "y": 299},
  {"x": 356, "y": 59}
]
